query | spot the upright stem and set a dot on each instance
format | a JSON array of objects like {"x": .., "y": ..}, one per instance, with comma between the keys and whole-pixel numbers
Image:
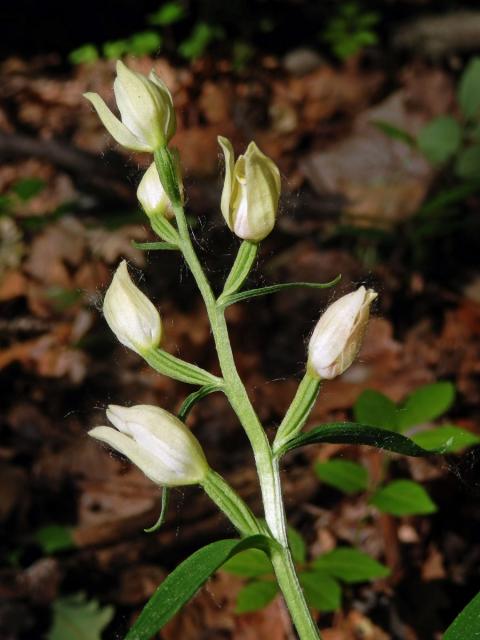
[
  {"x": 267, "y": 467},
  {"x": 293, "y": 594}
]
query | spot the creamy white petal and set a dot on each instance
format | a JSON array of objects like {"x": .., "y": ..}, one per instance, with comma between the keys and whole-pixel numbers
[
  {"x": 228, "y": 180},
  {"x": 117, "y": 129},
  {"x": 156, "y": 441},
  {"x": 144, "y": 107}
]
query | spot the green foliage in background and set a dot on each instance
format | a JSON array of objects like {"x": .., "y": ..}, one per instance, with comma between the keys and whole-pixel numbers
[
  {"x": 161, "y": 30},
  {"x": 414, "y": 418},
  {"x": 449, "y": 141},
  {"x": 320, "y": 578},
  {"x": 351, "y": 30},
  {"x": 77, "y": 618}
]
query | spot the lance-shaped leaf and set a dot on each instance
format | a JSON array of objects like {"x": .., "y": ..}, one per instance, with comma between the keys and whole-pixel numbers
[
  {"x": 191, "y": 400},
  {"x": 355, "y": 433},
  {"x": 155, "y": 246},
  {"x": 163, "y": 511},
  {"x": 178, "y": 587},
  {"x": 467, "y": 624},
  {"x": 274, "y": 288}
]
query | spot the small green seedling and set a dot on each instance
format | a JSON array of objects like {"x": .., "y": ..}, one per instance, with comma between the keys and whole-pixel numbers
[
  {"x": 414, "y": 418},
  {"x": 351, "y": 30},
  {"x": 320, "y": 578},
  {"x": 76, "y": 617}
]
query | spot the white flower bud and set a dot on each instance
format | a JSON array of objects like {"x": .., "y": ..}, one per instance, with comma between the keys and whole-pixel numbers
[
  {"x": 251, "y": 191},
  {"x": 157, "y": 442},
  {"x": 146, "y": 109},
  {"x": 130, "y": 314},
  {"x": 338, "y": 336},
  {"x": 151, "y": 194}
]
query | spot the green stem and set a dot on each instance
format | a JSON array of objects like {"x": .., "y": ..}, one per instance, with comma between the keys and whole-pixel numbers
[
  {"x": 299, "y": 410},
  {"x": 230, "y": 503},
  {"x": 267, "y": 467},
  {"x": 293, "y": 594}
]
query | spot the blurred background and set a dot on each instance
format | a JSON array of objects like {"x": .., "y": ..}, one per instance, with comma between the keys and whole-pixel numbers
[{"x": 372, "y": 112}]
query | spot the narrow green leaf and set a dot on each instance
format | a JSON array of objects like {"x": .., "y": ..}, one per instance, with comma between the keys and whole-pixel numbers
[
  {"x": 350, "y": 565},
  {"x": 249, "y": 564},
  {"x": 297, "y": 545},
  {"x": 274, "y": 288},
  {"x": 394, "y": 132},
  {"x": 403, "y": 498},
  {"x": 440, "y": 139},
  {"x": 469, "y": 89},
  {"x": 468, "y": 163},
  {"x": 376, "y": 409},
  {"x": 425, "y": 404},
  {"x": 447, "y": 438},
  {"x": 184, "y": 582},
  {"x": 344, "y": 475},
  {"x": 54, "y": 537},
  {"x": 76, "y": 618},
  {"x": 466, "y": 625},
  {"x": 322, "y": 592},
  {"x": 191, "y": 400},
  {"x": 355, "y": 433},
  {"x": 163, "y": 511},
  {"x": 255, "y": 596},
  {"x": 155, "y": 246},
  {"x": 447, "y": 198}
]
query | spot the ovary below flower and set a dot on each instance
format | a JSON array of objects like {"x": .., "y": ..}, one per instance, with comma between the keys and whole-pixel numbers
[
  {"x": 157, "y": 442},
  {"x": 146, "y": 109},
  {"x": 130, "y": 314},
  {"x": 338, "y": 336},
  {"x": 251, "y": 191}
]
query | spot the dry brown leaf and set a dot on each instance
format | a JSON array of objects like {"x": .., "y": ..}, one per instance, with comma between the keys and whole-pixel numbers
[{"x": 383, "y": 179}]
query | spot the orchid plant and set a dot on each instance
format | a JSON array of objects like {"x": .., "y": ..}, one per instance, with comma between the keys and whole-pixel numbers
[{"x": 161, "y": 444}]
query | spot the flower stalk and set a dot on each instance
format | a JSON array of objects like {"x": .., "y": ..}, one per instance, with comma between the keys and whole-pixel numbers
[
  {"x": 267, "y": 466},
  {"x": 159, "y": 443}
]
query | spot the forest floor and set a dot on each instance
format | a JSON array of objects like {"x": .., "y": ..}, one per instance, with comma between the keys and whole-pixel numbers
[{"x": 72, "y": 514}]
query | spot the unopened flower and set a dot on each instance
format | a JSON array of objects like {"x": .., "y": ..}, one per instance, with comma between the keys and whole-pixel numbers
[
  {"x": 251, "y": 191},
  {"x": 146, "y": 110},
  {"x": 151, "y": 194},
  {"x": 157, "y": 442},
  {"x": 338, "y": 336},
  {"x": 130, "y": 314}
]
